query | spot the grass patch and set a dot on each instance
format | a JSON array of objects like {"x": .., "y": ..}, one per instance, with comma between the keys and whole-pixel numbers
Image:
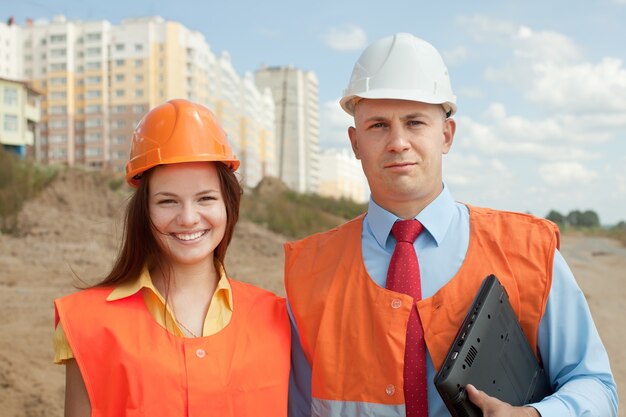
[
  {"x": 296, "y": 215},
  {"x": 19, "y": 181}
]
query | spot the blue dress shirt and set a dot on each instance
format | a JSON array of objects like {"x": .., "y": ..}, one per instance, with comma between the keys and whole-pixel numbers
[{"x": 571, "y": 350}]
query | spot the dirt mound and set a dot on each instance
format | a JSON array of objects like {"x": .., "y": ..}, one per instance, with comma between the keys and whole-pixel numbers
[{"x": 270, "y": 186}]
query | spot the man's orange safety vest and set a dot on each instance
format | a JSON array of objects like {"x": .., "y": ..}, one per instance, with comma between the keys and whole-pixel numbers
[
  {"x": 132, "y": 366},
  {"x": 353, "y": 331}
]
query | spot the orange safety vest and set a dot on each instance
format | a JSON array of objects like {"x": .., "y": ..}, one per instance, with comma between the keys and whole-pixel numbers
[
  {"x": 353, "y": 331},
  {"x": 134, "y": 367}
]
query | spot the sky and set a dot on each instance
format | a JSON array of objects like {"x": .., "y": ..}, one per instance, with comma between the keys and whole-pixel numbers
[{"x": 540, "y": 85}]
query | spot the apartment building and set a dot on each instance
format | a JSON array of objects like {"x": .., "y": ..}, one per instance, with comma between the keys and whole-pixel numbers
[
  {"x": 98, "y": 80},
  {"x": 296, "y": 100},
  {"x": 20, "y": 113},
  {"x": 9, "y": 47},
  {"x": 341, "y": 176}
]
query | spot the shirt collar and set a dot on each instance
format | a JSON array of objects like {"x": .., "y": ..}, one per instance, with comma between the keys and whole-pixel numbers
[
  {"x": 145, "y": 281},
  {"x": 435, "y": 217}
]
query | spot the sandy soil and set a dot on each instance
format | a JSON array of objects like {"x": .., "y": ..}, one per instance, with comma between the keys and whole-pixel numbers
[{"x": 72, "y": 231}]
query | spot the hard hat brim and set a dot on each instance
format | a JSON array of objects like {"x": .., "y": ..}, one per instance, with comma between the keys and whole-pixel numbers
[{"x": 348, "y": 102}]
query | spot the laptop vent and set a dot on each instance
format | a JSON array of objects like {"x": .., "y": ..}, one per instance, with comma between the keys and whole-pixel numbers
[
  {"x": 471, "y": 355},
  {"x": 461, "y": 410}
]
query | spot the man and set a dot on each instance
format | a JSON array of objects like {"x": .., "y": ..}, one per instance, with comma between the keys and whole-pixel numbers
[{"x": 356, "y": 324}]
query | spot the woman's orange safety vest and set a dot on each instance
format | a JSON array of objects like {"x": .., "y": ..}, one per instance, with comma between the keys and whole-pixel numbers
[
  {"x": 353, "y": 331},
  {"x": 132, "y": 366}
]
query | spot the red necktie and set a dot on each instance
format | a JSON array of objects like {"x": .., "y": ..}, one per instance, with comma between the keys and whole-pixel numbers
[{"x": 404, "y": 276}]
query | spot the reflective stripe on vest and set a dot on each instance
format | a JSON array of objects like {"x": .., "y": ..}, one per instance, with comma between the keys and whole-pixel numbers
[
  {"x": 132, "y": 366},
  {"x": 353, "y": 331}
]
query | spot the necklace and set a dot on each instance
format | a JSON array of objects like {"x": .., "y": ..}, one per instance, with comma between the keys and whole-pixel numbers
[{"x": 185, "y": 328}]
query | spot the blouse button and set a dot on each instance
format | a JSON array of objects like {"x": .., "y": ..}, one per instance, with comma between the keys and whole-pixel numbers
[
  {"x": 396, "y": 303},
  {"x": 201, "y": 353},
  {"x": 390, "y": 389}
]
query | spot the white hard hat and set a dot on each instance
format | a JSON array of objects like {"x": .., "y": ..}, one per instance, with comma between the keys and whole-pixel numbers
[{"x": 401, "y": 67}]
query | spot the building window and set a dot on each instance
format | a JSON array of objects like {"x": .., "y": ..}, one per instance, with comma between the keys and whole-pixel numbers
[
  {"x": 119, "y": 93},
  {"x": 138, "y": 78},
  {"x": 58, "y": 81},
  {"x": 10, "y": 123},
  {"x": 119, "y": 62},
  {"x": 119, "y": 47},
  {"x": 93, "y": 152},
  {"x": 119, "y": 109},
  {"x": 94, "y": 79},
  {"x": 58, "y": 66},
  {"x": 138, "y": 108},
  {"x": 93, "y": 94},
  {"x": 93, "y": 108},
  {"x": 94, "y": 65},
  {"x": 94, "y": 36},
  {"x": 56, "y": 110},
  {"x": 57, "y": 124},
  {"x": 119, "y": 77},
  {"x": 138, "y": 63},
  {"x": 57, "y": 53},
  {"x": 120, "y": 124},
  {"x": 138, "y": 93},
  {"x": 138, "y": 47},
  {"x": 95, "y": 122},
  {"x": 57, "y": 38},
  {"x": 58, "y": 95},
  {"x": 57, "y": 139},
  {"x": 93, "y": 51},
  {"x": 93, "y": 137},
  {"x": 10, "y": 96}
]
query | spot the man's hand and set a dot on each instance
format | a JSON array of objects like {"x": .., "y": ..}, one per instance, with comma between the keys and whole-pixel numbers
[{"x": 493, "y": 407}]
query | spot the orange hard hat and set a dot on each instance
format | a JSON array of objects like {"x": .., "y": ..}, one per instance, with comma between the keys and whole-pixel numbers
[{"x": 174, "y": 132}]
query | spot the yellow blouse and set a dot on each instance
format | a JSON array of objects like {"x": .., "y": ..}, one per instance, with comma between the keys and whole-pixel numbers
[{"x": 218, "y": 316}]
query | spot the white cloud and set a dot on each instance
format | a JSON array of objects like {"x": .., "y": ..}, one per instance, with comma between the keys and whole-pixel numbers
[
  {"x": 495, "y": 111},
  {"x": 469, "y": 92},
  {"x": 455, "y": 56},
  {"x": 482, "y": 28},
  {"x": 544, "y": 140},
  {"x": 346, "y": 38},
  {"x": 544, "y": 46},
  {"x": 581, "y": 88},
  {"x": 566, "y": 173},
  {"x": 550, "y": 69}
]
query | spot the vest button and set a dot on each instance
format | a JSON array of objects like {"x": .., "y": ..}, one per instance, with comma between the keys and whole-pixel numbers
[
  {"x": 396, "y": 303},
  {"x": 390, "y": 389},
  {"x": 201, "y": 353}
]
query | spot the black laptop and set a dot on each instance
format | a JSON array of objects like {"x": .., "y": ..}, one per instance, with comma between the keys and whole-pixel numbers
[{"x": 491, "y": 352}]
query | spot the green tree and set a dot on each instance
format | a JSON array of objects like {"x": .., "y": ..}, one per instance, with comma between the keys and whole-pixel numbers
[
  {"x": 577, "y": 218},
  {"x": 556, "y": 217},
  {"x": 589, "y": 218}
]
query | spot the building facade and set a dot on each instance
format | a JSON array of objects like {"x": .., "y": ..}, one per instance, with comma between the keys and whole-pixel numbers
[
  {"x": 296, "y": 100},
  {"x": 99, "y": 79},
  {"x": 341, "y": 176},
  {"x": 20, "y": 113},
  {"x": 10, "y": 66}
]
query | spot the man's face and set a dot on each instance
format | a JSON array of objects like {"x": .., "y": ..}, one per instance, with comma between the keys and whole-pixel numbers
[{"x": 400, "y": 145}]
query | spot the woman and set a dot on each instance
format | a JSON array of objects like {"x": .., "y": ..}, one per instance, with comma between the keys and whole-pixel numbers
[{"x": 166, "y": 333}]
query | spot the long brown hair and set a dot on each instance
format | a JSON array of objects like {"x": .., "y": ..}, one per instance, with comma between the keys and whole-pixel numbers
[{"x": 139, "y": 246}]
